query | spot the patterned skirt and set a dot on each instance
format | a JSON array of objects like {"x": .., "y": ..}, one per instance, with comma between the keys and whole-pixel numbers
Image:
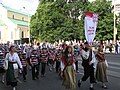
[
  {"x": 69, "y": 78},
  {"x": 101, "y": 74},
  {"x": 11, "y": 75}
]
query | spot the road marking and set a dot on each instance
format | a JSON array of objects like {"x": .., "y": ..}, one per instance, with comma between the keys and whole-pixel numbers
[
  {"x": 114, "y": 63},
  {"x": 19, "y": 81},
  {"x": 114, "y": 67}
]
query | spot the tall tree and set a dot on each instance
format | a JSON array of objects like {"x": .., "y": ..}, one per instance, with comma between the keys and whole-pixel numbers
[
  {"x": 58, "y": 19},
  {"x": 51, "y": 22}
]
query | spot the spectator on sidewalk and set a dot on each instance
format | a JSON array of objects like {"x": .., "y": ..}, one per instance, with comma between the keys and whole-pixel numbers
[
  {"x": 116, "y": 48},
  {"x": 110, "y": 48}
]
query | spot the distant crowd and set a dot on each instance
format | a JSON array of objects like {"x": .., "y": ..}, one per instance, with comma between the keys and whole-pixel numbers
[{"x": 63, "y": 57}]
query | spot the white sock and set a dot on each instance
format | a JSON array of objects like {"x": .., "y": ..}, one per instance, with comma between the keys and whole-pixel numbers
[
  {"x": 103, "y": 84},
  {"x": 91, "y": 85},
  {"x": 3, "y": 79},
  {"x": 14, "y": 88}
]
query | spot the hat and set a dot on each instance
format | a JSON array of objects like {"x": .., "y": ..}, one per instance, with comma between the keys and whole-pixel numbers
[
  {"x": 24, "y": 53},
  {"x": 1, "y": 54},
  {"x": 86, "y": 43},
  {"x": 34, "y": 49},
  {"x": 44, "y": 47}
]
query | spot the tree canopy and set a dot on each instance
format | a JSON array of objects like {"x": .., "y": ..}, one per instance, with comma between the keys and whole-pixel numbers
[{"x": 61, "y": 20}]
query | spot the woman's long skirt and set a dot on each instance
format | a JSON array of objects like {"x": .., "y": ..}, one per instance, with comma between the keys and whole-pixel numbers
[
  {"x": 11, "y": 76},
  {"x": 69, "y": 78},
  {"x": 101, "y": 74}
]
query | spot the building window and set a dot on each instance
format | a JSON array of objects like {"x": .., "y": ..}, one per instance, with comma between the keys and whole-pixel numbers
[
  {"x": 13, "y": 16},
  {"x": 23, "y": 18},
  {"x": 11, "y": 35},
  {"x": 0, "y": 16},
  {"x": 22, "y": 34},
  {"x": 0, "y": 34}
]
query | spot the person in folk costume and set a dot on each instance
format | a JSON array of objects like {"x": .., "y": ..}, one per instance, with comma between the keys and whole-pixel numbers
[
  {"x": 2, "y": 69},
  {"x": 58, "y": 60},
  {"x": 43, "y": 59},
  {"x": 13, "y": 64},
  {"x": 19, "y": 52},
  {"x": 76, "y": 55},
  {"x": 88, "y": 60},
  {"x": 38, "y": 46},
  {"x": 35, "y": 64},
  {"x": 64, "y": 47},
  {"x": 24, "y": 64},
  {"x": 28, "y": 54},
  {"x": 101, "y": 75},
  {"x": 51, "y": 58},
  {"x": 68, "y": 69},
  {"x": 2, "y": 48},
  {"x": 39, "y": 51}
]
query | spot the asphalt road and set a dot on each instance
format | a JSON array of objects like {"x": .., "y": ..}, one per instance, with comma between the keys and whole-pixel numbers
[{"x": 53, "y": 82}]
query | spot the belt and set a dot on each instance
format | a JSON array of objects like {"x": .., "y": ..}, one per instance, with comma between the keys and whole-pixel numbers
[{"x": 12, "y": 62}]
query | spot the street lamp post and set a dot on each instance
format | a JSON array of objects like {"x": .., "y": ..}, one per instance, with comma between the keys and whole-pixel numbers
[{"x": 115, "y": 29}]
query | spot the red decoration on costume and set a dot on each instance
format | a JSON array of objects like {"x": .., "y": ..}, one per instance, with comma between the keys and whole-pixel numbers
[{"x": 65, "y": 62}]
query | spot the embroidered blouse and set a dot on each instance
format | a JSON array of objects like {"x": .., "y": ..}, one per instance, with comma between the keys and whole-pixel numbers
[{"x": 13, "y": 58}]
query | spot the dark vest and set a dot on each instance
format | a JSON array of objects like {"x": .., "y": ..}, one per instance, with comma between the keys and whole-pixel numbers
[{"x": 85, "y": 62}]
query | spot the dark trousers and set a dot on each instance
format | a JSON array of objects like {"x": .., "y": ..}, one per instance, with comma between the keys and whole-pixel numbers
[
  {"x": 51, "y": 62},
  {"x": 35, "y": 71},
  {"x": 89, "y": 72},
  {"x": 57, "y": 66},
  {"x": 116, "y": 50},
  {"x": 43, "y": 66},
  {"x": 28, "y": 60},
  {"x": 24, "y": 72},
  {"x": 76, "y": 64}
]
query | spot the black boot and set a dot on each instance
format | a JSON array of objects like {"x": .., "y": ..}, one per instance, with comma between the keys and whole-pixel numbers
[{"x": 79, "y": 83}]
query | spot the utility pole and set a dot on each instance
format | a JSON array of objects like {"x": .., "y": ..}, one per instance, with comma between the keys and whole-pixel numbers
[{"x": 115, "y": 29}]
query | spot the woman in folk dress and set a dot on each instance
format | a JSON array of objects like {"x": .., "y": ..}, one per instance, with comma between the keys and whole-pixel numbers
[
  {"x": 12, "y": 72},
  {"x": 68, "y": 69},
  {"x": 101, "y": 75}
]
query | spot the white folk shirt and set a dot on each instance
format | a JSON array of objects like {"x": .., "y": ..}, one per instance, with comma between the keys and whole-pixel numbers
[
  {"x": 85, "y": 55},
  {"x": 13, "y": 58}
]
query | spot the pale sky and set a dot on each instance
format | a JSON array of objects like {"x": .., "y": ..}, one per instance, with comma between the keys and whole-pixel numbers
[{"x": 30, "y": 5}]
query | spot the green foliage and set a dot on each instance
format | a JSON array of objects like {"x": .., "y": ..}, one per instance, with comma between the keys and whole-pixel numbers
[
  {"x": 59, "y": 20},
  {"x": 105, "y": 21}
]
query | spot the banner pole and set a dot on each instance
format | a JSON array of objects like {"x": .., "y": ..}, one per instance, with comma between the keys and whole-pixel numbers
[{"x": 114, "y": 31}]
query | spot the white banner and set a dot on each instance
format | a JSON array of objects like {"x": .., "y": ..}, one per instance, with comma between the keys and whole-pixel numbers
[{"x": 90, "y": 25}]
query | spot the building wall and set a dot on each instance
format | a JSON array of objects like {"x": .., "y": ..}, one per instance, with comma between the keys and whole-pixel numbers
[
  {"x": 25, "y": 31},
  {"x": 17, "y": 16},
  {"x": 17, "y": 33},
  {"x": 10, "y": 25},
  {"x": 3, "y": 35},
  {"x": 12, "y": 31}
]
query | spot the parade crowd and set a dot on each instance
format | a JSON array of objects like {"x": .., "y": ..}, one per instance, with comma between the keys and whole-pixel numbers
[{"x": 64, "y": 58}]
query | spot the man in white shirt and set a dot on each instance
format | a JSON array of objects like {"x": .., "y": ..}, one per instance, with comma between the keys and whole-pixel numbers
[{"x": 88, "y": 59}]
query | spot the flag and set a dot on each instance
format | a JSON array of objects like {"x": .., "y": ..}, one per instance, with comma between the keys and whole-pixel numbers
[
  {"x": 1, "y": 1},
  {"x": 90, "y": 25}
]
